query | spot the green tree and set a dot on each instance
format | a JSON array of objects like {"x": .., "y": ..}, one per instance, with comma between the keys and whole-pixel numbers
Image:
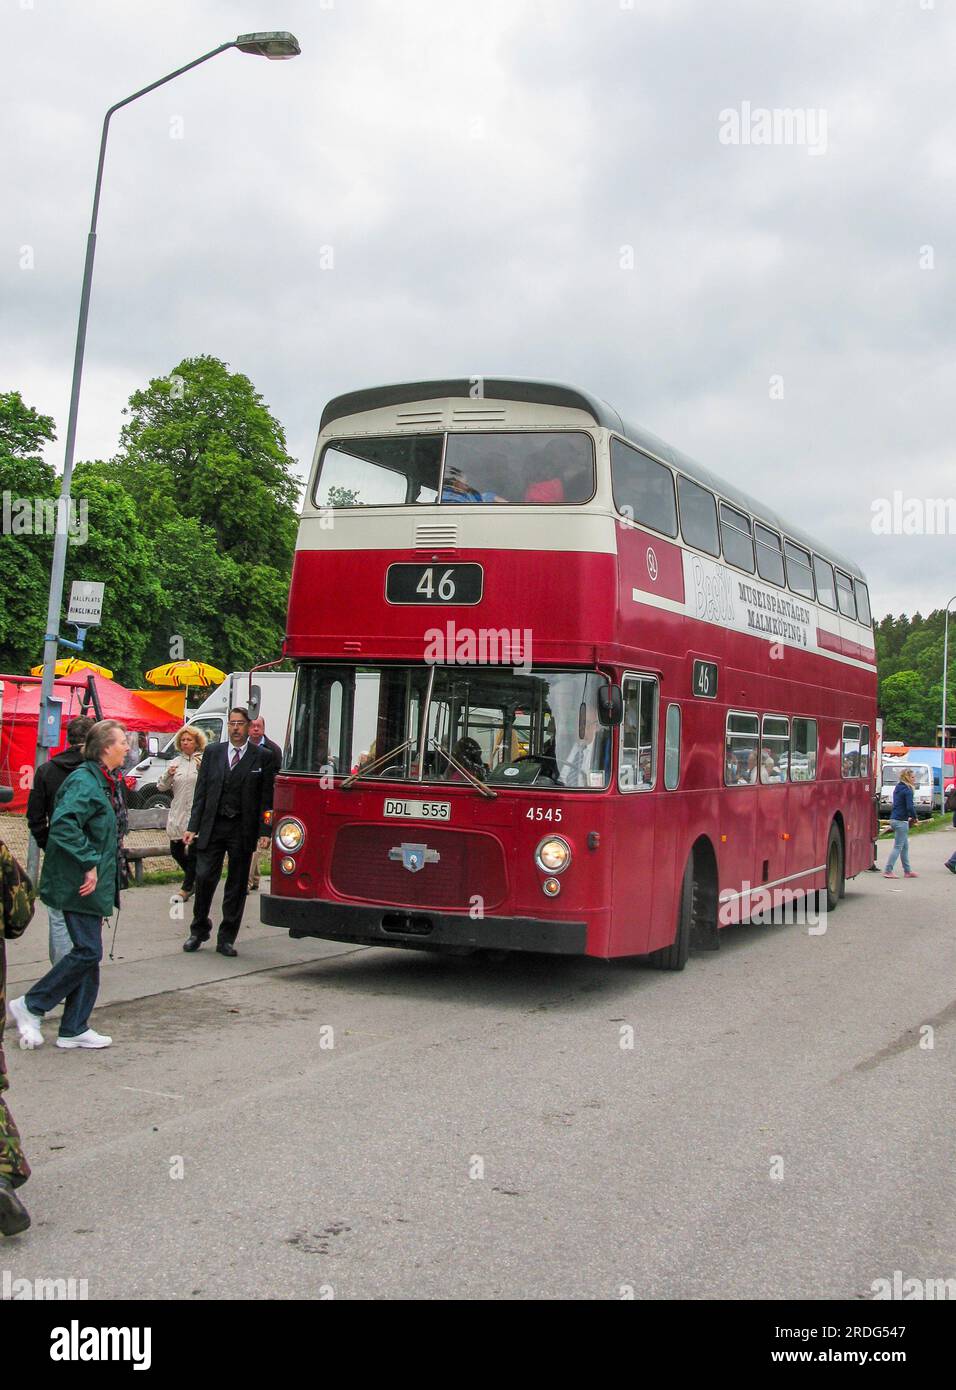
[
  {"x": 908, "y": 708},
  {"x": 206, "y": 463},
  {"x": 117, "y": 553},
  {"x": 25, "y": 556}
]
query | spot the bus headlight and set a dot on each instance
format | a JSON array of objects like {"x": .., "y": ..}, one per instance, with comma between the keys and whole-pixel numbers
[
  {"x": 290, "y": 834},
  {"x": 553, "y": 855}
]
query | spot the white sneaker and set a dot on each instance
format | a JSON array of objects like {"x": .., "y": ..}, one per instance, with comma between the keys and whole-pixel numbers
[
  {"x": 27, "y": 1023},
  {"x": 87, "y": 1039}
]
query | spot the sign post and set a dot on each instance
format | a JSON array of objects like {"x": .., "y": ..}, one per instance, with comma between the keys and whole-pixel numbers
[{"x": 86, "y": 610}]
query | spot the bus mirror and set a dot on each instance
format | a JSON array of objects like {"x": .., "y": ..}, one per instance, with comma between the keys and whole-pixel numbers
[
  {"x": 610, "y": 703},
  {"x": 152, "y": 745}
]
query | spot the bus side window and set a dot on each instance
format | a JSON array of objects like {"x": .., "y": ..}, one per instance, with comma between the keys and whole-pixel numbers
[
  {"x": 740, "y": 758},
  {"x": 826, "y": 588},
  {"x": 643, "y": 488},
  {"x": 737, "y": 538},
  {"x": 672, "y": 747},
  {"x": 803, "y": 751},
  {"x": 865, "y": 751},
  {"x": 851, "y": 750},
  {"x": 638, "y": 767},
  {"x": 774, "y": 748}
]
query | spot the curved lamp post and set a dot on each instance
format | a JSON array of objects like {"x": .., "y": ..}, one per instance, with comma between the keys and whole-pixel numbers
[{"x": 274, "y": 45}]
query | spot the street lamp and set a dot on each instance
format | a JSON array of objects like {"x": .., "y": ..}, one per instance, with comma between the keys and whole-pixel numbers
[
  {"x": 942, "y": 737},
  {"x": 279, "y": 44}
]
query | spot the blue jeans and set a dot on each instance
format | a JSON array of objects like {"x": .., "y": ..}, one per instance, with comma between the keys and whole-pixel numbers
[
  {"x": 60, "y": 943},
  {"x": 901, "y": 846},
  {"x": 76, "y": 978}
]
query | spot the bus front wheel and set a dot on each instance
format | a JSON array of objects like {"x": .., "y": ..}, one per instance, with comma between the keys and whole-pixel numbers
[{"x": 674, "y": 957}]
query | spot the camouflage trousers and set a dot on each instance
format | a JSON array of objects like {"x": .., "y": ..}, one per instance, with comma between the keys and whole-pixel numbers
[{"x": 13, "y": 1163}]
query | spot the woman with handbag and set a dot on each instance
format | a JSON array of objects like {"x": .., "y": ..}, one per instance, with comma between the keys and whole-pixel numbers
[
  {"x": 16, "y": 901},
  {"x": 902, "y": 816},
  {"x": 180, "y": 777}
]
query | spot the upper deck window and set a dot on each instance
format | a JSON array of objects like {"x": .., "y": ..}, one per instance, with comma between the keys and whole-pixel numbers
[
  {"x": 388, "y": 472},
  {"x": 643, "y": 489},
  {"x": 698, "y": 516},
  {"x": 769, "y": 554},
  {"x": 799, "y": 573},
  {"x": 845, "y": 595},
  {"x": 862, "y": 602},
  {"x": 533, "y": 466},
  {"x": 737, "y": 538},
  {"x": 826, "y": 590}
]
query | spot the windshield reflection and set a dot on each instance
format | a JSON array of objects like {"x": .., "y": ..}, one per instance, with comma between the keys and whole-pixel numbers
[{"x": 496, "y": 726}]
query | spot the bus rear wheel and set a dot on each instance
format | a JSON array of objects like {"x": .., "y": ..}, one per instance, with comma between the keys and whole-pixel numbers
[{"x": 835, "y": 871}]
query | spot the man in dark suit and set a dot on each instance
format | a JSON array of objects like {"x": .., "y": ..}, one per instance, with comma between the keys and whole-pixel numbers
[{"x": 228, "y": 820}]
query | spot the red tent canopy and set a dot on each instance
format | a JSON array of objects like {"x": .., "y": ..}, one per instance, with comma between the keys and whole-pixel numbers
[{"x": 20, "y": 712}]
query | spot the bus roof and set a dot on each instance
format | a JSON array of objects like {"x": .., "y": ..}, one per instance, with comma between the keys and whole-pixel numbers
[{"x": 604, "y": 415}]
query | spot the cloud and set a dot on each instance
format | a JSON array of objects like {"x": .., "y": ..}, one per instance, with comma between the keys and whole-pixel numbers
[{"x": 472, "y": 173}]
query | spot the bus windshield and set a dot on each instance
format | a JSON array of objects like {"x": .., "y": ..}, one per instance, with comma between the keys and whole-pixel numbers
[
  {"x": 506, "y": 727},
  {"x": 541, "y": 467}
]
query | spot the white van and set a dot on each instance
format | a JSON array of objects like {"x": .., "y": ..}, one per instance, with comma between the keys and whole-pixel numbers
[
  {"x": 265, "y": 693},
  {"x": 922, "y": 792}
]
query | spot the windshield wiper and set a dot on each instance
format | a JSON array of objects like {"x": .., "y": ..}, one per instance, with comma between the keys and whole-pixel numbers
[
  {"x": 468, "y": 776},
  {"x": 370, "y": 767}
]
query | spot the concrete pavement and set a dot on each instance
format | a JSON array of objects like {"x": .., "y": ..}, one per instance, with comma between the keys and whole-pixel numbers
[{"x": 313, "y": 1120}]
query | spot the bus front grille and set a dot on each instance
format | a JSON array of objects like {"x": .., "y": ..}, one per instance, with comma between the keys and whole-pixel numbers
[{"x": 367, "y": 864}]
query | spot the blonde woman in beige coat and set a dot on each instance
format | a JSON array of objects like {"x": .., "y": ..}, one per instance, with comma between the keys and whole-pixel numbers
[{"x": 180, "y": 778}]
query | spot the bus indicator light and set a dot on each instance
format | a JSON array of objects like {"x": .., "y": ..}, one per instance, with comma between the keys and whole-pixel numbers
[
  {"x": 551, "y": 886},
  {"x": 287, "y": 865}
]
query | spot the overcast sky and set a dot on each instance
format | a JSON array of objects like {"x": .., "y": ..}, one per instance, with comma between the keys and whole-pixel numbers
[{"x": 476, "y": 170}]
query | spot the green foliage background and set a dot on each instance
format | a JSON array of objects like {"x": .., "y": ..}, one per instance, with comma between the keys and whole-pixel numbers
[
  {"x": 909, "y": 653},
  {"x": 191, "y": 527}
]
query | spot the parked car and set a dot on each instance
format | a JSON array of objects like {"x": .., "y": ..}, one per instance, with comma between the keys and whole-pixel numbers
[{"x": 922, "y": 795}]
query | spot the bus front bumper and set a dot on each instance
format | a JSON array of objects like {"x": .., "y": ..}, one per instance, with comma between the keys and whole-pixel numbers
[{"x": 415, "y": 928}]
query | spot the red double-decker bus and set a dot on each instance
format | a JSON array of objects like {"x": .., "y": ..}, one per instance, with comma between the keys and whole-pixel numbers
[{"x": 559, "y": 688}]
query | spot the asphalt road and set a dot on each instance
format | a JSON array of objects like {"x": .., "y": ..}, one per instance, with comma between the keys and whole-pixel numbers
[{"x": 477, "y": 1130}]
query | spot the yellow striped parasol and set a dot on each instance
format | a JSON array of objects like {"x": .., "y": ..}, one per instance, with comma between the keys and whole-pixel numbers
[
  {"x": 71, "y": 665},
  {"x": 186, "y": 673}
]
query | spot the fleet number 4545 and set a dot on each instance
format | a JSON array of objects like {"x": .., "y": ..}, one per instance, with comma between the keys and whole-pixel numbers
[{"x": 552, "y": 813}]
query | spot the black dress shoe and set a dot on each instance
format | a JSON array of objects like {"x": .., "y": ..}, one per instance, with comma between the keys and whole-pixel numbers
[
  {"x": 193, "y": 943},
  {"x": 226, "y": 949},
  {"x": 14, "y": 1216}
]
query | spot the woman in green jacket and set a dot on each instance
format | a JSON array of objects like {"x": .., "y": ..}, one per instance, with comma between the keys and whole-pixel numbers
[{"x": 80, "y": 877}]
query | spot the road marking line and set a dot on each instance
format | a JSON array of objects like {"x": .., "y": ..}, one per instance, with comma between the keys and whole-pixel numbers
[{"x": 140, "y": 1090}]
